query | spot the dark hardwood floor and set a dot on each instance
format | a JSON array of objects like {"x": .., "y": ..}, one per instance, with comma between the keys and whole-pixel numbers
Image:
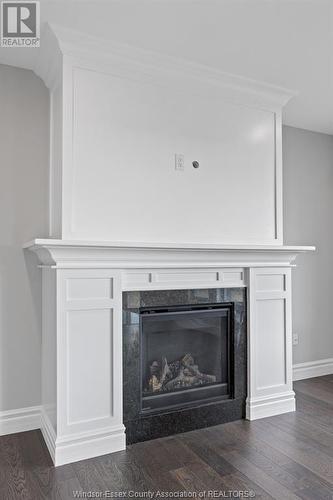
[{"x": 284, "y": 457}]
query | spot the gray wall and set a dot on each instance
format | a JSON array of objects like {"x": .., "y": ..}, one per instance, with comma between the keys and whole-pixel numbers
[
  {"x": 308, "y": 219},
  {"x": 24, "y": 105}
]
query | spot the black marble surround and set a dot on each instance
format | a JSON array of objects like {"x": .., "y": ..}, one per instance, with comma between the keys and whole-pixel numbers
[{"x": 141, "y": 427}]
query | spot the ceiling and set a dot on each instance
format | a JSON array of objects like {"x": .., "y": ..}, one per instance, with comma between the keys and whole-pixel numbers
[{"x": 288, "y": 43}]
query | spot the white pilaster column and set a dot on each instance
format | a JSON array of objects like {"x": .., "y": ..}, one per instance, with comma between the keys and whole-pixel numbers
[
  {"x": 82, "y": 363},
  {"x": 269, "y": 343}
]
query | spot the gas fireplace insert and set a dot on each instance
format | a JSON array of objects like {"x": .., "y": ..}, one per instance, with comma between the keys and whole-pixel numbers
[{"x": 185, "y": 355}]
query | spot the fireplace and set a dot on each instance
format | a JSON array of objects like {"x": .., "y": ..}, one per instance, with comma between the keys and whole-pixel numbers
[
  {"x": 184, "y": 360},
  {"x": 97, "y": 292},
  {"x": 110, "y": 248},
  {"x": 185, "y": 355}
]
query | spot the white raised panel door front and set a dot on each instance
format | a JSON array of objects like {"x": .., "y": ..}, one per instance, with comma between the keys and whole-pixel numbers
[
  {"x": 89, "y": 351},
  {"x": 269, "y": 343}
]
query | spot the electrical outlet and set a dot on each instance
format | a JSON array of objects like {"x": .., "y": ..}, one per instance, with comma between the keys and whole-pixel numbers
[
  {"x": 179, "y": 162},
  {"x": 295, "y": 339}
]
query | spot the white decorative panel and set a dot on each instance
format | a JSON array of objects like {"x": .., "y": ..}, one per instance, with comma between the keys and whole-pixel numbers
[
  {"x": 270, "y": 389},
  {"x": 137, "y": 279},
  {"x": 271, "y": 349},
  {"x": 134, "y": 193},
  {"x": 181, "y": 277},
  {"x": 88, "y": 288},
  {"x": 89, "y": 348},
  {"x": 232, "y": 276},
  {"x": 271, "y": 282}
]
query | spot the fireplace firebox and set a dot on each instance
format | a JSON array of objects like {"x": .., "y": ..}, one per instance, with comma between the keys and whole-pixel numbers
[
  {"x": 185, "y": 355},
  {"x": 184, "y": 360}
]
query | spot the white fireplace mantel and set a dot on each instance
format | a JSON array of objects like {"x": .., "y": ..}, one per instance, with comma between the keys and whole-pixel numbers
[
  {"x": 64, "y": 253},
  {"x": 82, "y": 328}
]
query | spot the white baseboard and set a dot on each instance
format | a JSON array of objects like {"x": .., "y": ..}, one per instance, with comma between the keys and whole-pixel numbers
[
  {"x": 313, "y": 369},
  {"x": 270, "y": 405},
  {"x": 48, "y": 433},
  {"x": 71, "y": 449},
  {"x": 21, "y": 420}
]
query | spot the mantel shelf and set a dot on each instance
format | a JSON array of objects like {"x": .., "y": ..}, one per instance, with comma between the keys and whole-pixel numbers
[
  {"x": 166, "y": 245},
  {"x": 65, "y": 253}
]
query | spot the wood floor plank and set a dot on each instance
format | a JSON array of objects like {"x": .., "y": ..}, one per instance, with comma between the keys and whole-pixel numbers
[
  {"x": 157, "y": 462},
  {"x": 271, "y": 468},
  {"x": 208, "y": 454},
  {"x": 305, "y": 430},
  {"x": 89, "y": 476},
  {"x": 41, "y": 476},
  {"x": 298, "y": 450},
  {"x": 115, "y": 469},
  {"x": 68, "y": 487},
  {"x": 236, "y": 482},
  {"x": 231, "y": 478},
  {"x": 256, "y": 474},
  {"x": 264, "y": 473},
  {"x": 306, "y": 479},
  {"x": 14, "y": 483},
  {"x": 209, "y": 477},
  {"x": 251, "y": 439},
  {"x": 319, "y": 413},
  {"x": 316, "y": 389},
  {"x": 239, "y": 482},
  {"x": 189, "y": 480},
  {"x": 182, "y": 454}
]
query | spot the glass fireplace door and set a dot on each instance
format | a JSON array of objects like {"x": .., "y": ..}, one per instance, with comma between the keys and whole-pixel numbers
[{"x": 185, "y": 355}]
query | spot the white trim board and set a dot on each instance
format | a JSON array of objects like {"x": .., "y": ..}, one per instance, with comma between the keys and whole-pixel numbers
[
  {"x": 313, "y": 369},
  {"x": 19, "y": 420}
]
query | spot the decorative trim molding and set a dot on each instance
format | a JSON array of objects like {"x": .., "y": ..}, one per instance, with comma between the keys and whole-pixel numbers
[
  {"x": 311, "y": 369},
  {"x": 126, "y": 255},
  {"x": 270, "y": 405},
  {"x": 48, "y": 64},
  {"x": 20, "y": 420},
  {"x": 125, "y": 59}
]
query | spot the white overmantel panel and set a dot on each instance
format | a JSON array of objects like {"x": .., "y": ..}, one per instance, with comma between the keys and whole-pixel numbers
[{"x": 118, "y": 117}]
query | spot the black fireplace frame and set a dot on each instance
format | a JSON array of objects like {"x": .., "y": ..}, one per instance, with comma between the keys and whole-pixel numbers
[
  {"x": 209, "y": 388},
  {"x": 142, "y": 426}
]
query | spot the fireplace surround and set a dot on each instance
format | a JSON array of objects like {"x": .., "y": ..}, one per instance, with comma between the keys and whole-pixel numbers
[
  {"x": 82, "y": 348},
  {"x": 209, "y": 325}
]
